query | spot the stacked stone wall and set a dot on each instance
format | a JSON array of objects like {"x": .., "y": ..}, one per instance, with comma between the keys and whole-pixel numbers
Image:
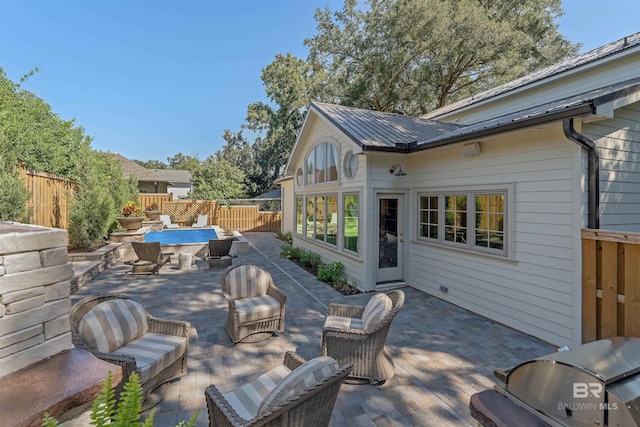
[{"x": 35, "y": 280}]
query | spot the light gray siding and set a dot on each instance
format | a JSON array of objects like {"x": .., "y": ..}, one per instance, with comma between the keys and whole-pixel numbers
[
  {"x": 618, "y": 140},
  {"x": 534, "y": 290}
]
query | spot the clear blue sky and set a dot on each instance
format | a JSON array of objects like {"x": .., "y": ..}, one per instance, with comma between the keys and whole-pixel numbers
[{"x": 150, "y": 79}]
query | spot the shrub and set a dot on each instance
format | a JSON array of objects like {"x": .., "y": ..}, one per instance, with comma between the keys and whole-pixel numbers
[
  {"x": 285, "y": 237},
  {"x": 315, "y": 261},
  {"x": 305, "y": 256},
  {"x": 127, "y": 413},
  {"x": 285, "y": 252},
  {"x": 295, "y": 253},
  {"x": 330, "y": 272}
]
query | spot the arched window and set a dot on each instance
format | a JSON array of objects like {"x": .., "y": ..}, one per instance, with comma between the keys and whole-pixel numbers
[{"x": 322, "y": 164}]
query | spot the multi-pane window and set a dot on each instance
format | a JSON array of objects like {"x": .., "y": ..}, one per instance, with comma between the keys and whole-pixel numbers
[
  {"x": 321, "y": 164},
  {"x": 351, "y": 229},
  {"x": 322, "y": 218},
  {"x": 490, "y": 221},
  {"x": 299, "y": 215},
  {"x": 429, "y": 217},
  {"x": 470, "y": 219},
  {"x": 455, "y": 218}
]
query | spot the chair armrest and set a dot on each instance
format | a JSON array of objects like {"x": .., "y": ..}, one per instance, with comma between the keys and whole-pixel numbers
[
  {"x": 221, "y": 413},
  {"x": 277, "y": 294},
  {"x": 168, "y": 327},
  {"x": 344, "y": 310},
  {"x": 293, "y": 360}
]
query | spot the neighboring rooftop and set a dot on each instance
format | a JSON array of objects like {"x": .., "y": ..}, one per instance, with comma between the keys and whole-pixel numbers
[
  {"x": 132, "y": 169},
  {"x": 176, "y": 176}
]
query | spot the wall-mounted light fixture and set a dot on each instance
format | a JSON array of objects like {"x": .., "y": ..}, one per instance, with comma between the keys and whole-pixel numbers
[
  {"x": 472, "y": 149},
  {"x": 396, "y": 170}
]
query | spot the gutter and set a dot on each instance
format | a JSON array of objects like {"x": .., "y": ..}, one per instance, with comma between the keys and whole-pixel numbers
[{"x": 593, "y": 176}]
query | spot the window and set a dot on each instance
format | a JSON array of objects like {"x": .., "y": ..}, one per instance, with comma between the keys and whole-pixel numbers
[
  {"x": 299, "y": 215},
  {"x": 473, "y": 219},
  {"x": 351, "y": 215},
  {"x": 350, "y": 164},
  {"x": 322, "y": 218},
  {"x": 299, "y": 177},
  {"x": 322, "y": 164}
]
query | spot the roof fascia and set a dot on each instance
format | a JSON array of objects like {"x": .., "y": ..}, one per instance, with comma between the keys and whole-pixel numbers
[
  {"x": 606, "y": 105},
  {"x": 586, "y": 108},
  {"x": 299, "y": 136}
]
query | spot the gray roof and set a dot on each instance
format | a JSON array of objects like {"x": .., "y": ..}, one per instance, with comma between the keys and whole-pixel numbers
[
  {"x": 176, "y": 176},
  {"x": 568, "y": 65},
  {"x": 132, "y": 169},
  {"x": 354, "y": 122},
  {"x": 381, "y": 130},
  {"x": 582, "y": 104},
  {"x": 273, "y": 194}
]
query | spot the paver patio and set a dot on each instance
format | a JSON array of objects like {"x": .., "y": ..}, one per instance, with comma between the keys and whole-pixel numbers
[{"x": 443, "y": 354}]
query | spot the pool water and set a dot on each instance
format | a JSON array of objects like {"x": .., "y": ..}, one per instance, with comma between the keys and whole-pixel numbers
[{"x": 181, "y": 236}]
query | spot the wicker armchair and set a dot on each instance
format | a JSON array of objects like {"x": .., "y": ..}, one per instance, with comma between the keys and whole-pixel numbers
[
  {"x": 169, "y": 332},
  {"x": 256, "y": 306},
  {"x": 295, "y": 393},
  {"x": 357, "y": 335}
]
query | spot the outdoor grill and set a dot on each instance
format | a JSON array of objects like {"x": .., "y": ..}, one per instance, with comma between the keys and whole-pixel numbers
[{"x": 595, "y": 384}]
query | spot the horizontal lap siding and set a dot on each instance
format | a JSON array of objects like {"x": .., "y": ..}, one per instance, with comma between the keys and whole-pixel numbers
[
  {"x": 619, "y": 142},
  {"x": 533, "y": 293}
]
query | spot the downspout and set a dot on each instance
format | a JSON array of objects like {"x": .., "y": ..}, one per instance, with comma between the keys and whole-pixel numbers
[{"x": 593, "y": 174}]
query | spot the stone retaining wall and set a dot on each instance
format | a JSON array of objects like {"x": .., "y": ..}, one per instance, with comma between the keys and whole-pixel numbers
[{"x": 35, "y": 279}]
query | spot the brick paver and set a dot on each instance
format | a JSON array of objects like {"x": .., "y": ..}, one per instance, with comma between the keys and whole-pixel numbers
[{"x": 442, "y": 353}]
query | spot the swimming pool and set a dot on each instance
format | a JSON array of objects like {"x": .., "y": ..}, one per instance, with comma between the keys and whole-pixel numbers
[{"x": 172, "y": 237}]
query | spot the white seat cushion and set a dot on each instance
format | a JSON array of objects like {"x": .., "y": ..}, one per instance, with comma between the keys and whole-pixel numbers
[
  {"x": 112, "y": 324},
  {"x": 340, "y": 322},
  {"x": 154, "y": 352},
  {"x": 303, "y": 377},
  {"x": 257, "y": 308},
  {"x": 246, "y": 400},
  {"x": 377, "y": 308}
]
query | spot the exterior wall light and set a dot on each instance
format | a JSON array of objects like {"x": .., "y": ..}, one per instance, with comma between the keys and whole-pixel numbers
[{"x": 397, "y": 171}]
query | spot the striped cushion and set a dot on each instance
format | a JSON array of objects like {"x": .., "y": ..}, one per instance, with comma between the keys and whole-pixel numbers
[
  {"x": 247, "y": 281},
  {"x": 377, "y": 308},
  {"x": 112, "y": 324},
  {"x": 246, "y": 400},
  {"x": 303, "y": 377},
  {"x": 153, "y": 353},
  {"x": 340, "y": 322},
  {"x": 257, "y": 308}
]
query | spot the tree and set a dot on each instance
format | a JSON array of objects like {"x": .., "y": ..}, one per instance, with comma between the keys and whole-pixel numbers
[
  {"x": 151, "y": 164},
  {"x": 412, "y": 56}
]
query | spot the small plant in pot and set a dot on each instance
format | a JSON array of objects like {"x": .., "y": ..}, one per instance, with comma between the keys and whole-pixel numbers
[
  {"x": 130, "y": 218},
  {"x": 152, "y": 211}
]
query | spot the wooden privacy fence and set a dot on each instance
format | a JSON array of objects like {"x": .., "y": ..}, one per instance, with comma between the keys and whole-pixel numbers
[
  {"x": 248, "y": 218},
  {"x": 610, "y": 284},
  {"x": 50, "y": 199},
  {"x": 160, "y": 199}
]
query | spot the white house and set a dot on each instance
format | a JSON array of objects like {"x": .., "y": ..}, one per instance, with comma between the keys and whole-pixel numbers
[{"x": 495, "y": 191}]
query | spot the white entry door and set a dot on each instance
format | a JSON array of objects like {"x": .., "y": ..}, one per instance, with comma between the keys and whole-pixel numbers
[{"x": 390, "y": 246}]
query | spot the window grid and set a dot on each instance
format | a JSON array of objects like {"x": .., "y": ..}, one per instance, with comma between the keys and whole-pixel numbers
[{"x": 445, "y": 218}]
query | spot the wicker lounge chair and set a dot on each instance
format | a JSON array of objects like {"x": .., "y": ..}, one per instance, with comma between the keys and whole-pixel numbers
[
  {"x": 357, "y": 335},
  {"x": 150, "y": 257},
  {"x": 95, "y": 329},
  {"x": 166, "y": 222},
  {"x": 219, "y": 253},
  {"x": 256, "y": 306},
  {"x": 296, "y": 393}
]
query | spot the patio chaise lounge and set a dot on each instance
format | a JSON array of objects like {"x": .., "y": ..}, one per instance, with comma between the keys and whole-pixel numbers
[
  {"x": 201, "y": 222},
  {"x": 166, "y": 222},
  {"x": 357, "y": 335},
  {"x": 219, "y": 253},
  {"x": 256, "y": 306},
  {"x": 295, "y": 393},
  {"x": 150, "y": 257},
  {"x": 120, "y": 331}
]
